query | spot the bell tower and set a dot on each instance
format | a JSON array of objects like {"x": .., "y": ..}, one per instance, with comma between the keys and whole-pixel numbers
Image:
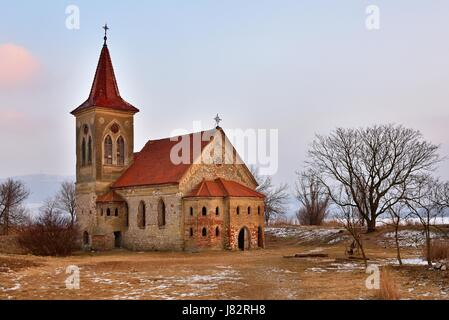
[{"x": 104, "y": 131}]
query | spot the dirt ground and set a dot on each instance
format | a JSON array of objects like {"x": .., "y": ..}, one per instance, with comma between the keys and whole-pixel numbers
[{"x": 257, "y": 274}]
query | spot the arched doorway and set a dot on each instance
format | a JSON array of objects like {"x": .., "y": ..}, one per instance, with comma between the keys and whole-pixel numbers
[
  {"x": 244, "y": 239},
  {"x": 117, "y": 239},
  {"x": 85, "y": 238}
]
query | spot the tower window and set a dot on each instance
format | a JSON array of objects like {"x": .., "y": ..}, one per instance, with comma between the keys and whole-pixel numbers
[
  {"x": 120, "y": 151},
  {"x": 83, "y": 152},
  {"x": 204, "y": 211},
  {"x": 108, "y": 150},
  {"x": 89, "y": 152},
  {"x": 217, "y": 231},
  {"x": 116, "y": 212},
  {"x": 191, "y": 211},
  {"x": 249, "y": 210},
  {"x": 191, "y": 232},
  {"x": 204, "y": 232},
  {"x": 108, "y": 212},
  {"x": 238, "y": 210},
  {"x": 217, "y": 211}
]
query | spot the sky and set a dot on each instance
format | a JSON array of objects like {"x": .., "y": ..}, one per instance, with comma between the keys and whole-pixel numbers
[{"x": 301, "y": 67}]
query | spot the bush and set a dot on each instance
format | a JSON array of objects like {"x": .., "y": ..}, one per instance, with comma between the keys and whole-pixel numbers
[
  {"x": 388, "y": 288},
  {"x": 311, "y": 216},
  {"x": 50, "y": 235},
  {"x": 439, "y": 250}
]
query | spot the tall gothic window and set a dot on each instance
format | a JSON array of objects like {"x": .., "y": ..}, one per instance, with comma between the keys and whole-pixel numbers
[
  {"x": 161, "y": 213},
  {"x": 120, "y": 151},
  {"x": 108, "y": 150},
  {"x": 141, "y": 215},
  {"x": 83, "y": 152},
  {"x": 89, "y": 152}
]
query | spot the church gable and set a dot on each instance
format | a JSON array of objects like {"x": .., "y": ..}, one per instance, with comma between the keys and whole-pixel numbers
[{"x": 219, "y": 159}]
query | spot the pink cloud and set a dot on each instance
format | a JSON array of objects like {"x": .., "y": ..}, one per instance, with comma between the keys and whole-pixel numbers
[{"x": 17, "y": 65}]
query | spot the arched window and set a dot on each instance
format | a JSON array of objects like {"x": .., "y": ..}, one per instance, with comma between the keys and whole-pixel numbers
[
  {"x": 102, "y": 212},
  {"x": 83, "y": 152},
  {"x": 116, "y": 212},
  {"x": 126, "y": 215},
  {"x": 249, "y": 210},
  {"x": 191, "y": 232},
  {"x": 204, "y": 232},
  {"x": 217, "y": 211},
  {"x": 89, "y": 151},
  {"x": 191, "y": 211},
  {"x": 108, "y": 212},
  {"x": 204, "y": 211},
  {"x": 120, "y": 151},
  {"x": 238, "y": 210},
  {"x": 108, "y": 150},
  {"x": 141, "y": 215},
  {"x": 161, "y": 213},
  {"x": 217, "y": 231}
]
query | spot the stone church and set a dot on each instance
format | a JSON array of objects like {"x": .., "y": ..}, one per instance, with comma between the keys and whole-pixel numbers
[{"x": 149, "y": 200}]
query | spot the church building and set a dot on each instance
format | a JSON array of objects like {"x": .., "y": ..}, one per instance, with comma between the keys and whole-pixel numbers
[{"x": 150, "y": 200}]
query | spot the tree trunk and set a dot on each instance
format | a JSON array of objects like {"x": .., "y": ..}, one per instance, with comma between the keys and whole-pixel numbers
[
  {"x": 398, "y": 248},
  {"x": 6, "y": 222},
  {"x": 428, "y": 247},
  {"x": 362, "y": 250},
  {"x": 371, "y": 224}
]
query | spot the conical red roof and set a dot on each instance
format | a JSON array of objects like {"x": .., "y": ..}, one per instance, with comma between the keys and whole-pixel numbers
[{"x": 105, "y": 92}]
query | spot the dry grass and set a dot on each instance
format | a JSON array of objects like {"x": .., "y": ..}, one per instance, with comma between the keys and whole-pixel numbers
[
  {"x": 332, "y": 224},
  {"x": 389, "y": 290},
  {"x": 439, "y": 250}
]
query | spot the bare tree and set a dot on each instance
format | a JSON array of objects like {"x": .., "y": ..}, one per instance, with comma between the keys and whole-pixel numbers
[
  {"x": 397, "y": 215},
  {"x": 66, "y": 199},
  {"x": 353, "y": 223},
  {"x": 313, "y": 197},
  {"x": 425, "y": 203},
  {"x": 276, "y": 198},
  {"x": 12, "y": 195},
  {"x": 374, "y": 164}
]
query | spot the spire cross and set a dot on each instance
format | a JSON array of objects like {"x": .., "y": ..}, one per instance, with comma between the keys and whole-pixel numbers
[
  {"x": 217, "y": 120},
  {"x": 106, "y": 28}
]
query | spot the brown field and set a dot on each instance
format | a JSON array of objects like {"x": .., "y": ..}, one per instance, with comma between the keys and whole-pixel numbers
[{"x": 258, "y": 274}]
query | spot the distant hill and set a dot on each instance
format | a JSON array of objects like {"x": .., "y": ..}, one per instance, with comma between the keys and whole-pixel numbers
[{"x": 41, "y": 187}]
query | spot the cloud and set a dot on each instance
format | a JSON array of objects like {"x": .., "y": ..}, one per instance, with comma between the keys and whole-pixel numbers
[{"x": 17, "y": 65}]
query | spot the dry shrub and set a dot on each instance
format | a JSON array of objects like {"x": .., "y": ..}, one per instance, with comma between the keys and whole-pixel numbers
[
  {"x": 388, "y": 288},
  {"x": 311, "y": 216},
  {"x": 439, "y": 250},
  {"x": 49, "y": 235},
  {"x": 282, "y": 222}
]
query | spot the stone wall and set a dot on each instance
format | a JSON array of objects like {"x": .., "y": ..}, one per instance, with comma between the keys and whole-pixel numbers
[
  {"x": 195, "y": 221},
  {"x": 252, "y": 221},
  {"x": 153, "y": 236}
]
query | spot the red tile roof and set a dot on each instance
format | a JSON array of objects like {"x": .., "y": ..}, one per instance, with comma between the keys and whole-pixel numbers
[
  {"x": 111, "y": 196},
  {"x": 105, "y": 92},
  {"x": 223, "y": 188},
  {"x": 153, "y": 165}
]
